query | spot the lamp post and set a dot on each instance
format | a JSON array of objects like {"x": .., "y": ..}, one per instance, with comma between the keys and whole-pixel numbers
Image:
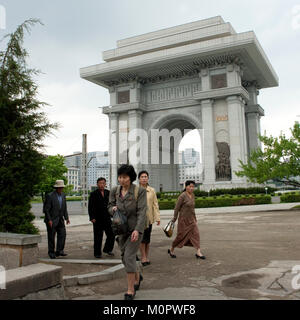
[{"x": 266, "y": 188}]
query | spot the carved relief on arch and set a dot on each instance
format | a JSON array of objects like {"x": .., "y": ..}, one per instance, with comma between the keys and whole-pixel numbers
[
  {"x": 223, "y": 166},
  {"x": 222, "y": 135}
]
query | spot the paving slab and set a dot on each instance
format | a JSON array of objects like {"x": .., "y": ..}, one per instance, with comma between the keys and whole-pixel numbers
[{"x": 83, "y": 261}]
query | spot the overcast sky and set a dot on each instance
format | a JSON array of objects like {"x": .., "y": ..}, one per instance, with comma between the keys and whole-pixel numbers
[{"x": 76, "y": 32}]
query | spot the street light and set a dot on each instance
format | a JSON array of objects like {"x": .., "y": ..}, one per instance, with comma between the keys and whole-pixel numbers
[{"x": 266, "y": 188}]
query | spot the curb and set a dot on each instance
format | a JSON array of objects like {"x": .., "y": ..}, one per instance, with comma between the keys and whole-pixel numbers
[
  {"x": 88, "y": 278},
  {"x": 82, "y": 261}
]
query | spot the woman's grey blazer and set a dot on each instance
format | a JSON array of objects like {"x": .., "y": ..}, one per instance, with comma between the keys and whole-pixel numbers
[{"x": 134, "y": 210}]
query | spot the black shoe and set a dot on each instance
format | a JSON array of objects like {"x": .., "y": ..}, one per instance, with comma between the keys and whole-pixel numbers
[
  {"x": 52, "y": 255},
  {"x": 137, "y": 258},
  {"x": 171, "y": 254},
  {"x": 144, "y": 264},
  {"x": 128, "y": 296},
  {"x": 109, "y": 253},
  {"x": 98, "y": 256},
  {"x": 137, "y": 286},
  {"x": 200, "y": 257},
  {"x": 62, "y": 254}
]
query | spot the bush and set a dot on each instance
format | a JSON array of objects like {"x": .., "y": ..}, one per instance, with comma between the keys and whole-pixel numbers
[
  {"x": 205, "y": 202},
  {"x": 74, "y": 198},
  {"x": 290, "y": 198},
  {"x": 166, "y": 205},
  {"x": 217, "y": 192}
]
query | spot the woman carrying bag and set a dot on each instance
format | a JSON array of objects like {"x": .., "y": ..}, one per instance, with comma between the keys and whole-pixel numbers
[
  {"x": 131, "y": 200},
  {"x": 187, "y": 229}
]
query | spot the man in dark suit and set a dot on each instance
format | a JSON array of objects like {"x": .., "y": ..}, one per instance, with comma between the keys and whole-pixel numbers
[
  {"x": 101, "y": 220},
  {"x": 55, "y": 209}
]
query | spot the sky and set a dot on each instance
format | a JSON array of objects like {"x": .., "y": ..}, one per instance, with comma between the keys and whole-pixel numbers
[{"x": 74, "y": 34}]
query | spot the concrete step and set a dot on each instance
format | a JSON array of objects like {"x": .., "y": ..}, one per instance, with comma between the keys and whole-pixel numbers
[{"x": 30, "y": 279}]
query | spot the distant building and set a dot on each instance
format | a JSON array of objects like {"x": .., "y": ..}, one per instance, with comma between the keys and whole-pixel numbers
[
  {"x": 74, "y": 161},
  {"x": 98, "y": 166},
  {"x": 73, "y": 177},
  {"x": 190, "y": 167}
]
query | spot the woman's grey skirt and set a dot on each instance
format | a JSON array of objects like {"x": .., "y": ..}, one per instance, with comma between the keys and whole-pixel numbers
[{"x": 128, "y": 251}]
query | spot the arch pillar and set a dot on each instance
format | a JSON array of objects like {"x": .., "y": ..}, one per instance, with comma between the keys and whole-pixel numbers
[{"x": 209, "y": 142}]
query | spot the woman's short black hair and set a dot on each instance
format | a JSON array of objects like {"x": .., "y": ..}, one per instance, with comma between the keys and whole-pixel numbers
[
  {"x": 188, "y": 182},
  {"x": 128, "y": 170},
  {"x": 100, "y": 179},
  {"x": 142, "y": 172}
]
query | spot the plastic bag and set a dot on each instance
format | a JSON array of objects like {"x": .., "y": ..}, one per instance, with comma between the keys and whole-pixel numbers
[{"x": 119, "y": 223}]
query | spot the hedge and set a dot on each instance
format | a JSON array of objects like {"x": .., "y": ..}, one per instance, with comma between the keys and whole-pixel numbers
[
  {"x": 75, "y": 198},
  {"x": 218, "y": 192},
  {"x": 290, "y": 198},
  {"x": 211, "y": 202}
]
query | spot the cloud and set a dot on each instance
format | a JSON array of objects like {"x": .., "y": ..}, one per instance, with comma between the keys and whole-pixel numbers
[
  {"x": 76, "y": 108},
  {"x": 75, "y": 33}
]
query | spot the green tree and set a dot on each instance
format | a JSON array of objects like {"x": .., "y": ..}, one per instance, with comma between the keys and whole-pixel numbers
[
  {"x": 53, "y": 168},
  {"x": 278, "y": 161},
  {"x": 23, "y": 126}
]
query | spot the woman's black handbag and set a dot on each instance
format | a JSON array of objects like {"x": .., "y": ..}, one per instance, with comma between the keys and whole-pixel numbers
[{"x": 119, "y": 223}]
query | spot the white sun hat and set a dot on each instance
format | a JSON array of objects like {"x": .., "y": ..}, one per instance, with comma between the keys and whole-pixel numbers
[{"x": 59, "y": 184}]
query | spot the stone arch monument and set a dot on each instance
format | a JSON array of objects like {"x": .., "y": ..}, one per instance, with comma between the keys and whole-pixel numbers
[{"x": 200, "y": 75}]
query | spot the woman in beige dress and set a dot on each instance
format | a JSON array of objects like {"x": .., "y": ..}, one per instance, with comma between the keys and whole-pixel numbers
[
  {"x": 152, "y": 216},
  {"x": 187, "y": 229}
]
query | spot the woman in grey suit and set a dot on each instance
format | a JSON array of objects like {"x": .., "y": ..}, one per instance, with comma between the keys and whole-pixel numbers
[{"x": 131, "y": 200}]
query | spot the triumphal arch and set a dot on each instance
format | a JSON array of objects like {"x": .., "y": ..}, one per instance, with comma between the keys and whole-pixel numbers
[{"x": 201, "y": 75}]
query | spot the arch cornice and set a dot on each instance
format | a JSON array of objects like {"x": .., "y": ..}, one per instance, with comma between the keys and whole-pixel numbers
[{"x": 158, "y": 123}]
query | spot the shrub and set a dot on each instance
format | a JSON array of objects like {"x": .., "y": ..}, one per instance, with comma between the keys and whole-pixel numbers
[
  {"x": 165, "y": 205},
  {"x": 290, "y": 198}
]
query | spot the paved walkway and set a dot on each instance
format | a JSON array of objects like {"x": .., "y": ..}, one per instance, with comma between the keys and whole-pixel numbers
[
  {"x": 250, "y": 255},
  {"x": 77, "y": 220}
]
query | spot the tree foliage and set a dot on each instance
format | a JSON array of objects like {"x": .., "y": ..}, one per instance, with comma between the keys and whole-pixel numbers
[
  {"x": 23, "y": 127},
  {"x": 53, "y": 168},
  {"x": 278, "y": 161}
]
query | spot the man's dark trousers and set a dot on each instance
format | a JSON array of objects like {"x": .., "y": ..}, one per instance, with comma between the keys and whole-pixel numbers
[
  {"x": 98, "y": 202},
  {"x": 99, "y": 228},
  {"x": 60, "y": 229}
]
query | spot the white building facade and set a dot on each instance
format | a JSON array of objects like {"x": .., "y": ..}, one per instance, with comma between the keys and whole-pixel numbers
[
  {"x": 73, "y": 178},
  {"x": 190, "y": 167},
  {"x": 201, "y": 75},
  {"x": 98, "y": 166}
]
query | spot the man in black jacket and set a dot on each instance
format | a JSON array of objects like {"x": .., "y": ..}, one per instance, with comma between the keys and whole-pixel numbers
[
  {"x": 55, "y": 209},
  {"x": 101, "y": 220}
]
